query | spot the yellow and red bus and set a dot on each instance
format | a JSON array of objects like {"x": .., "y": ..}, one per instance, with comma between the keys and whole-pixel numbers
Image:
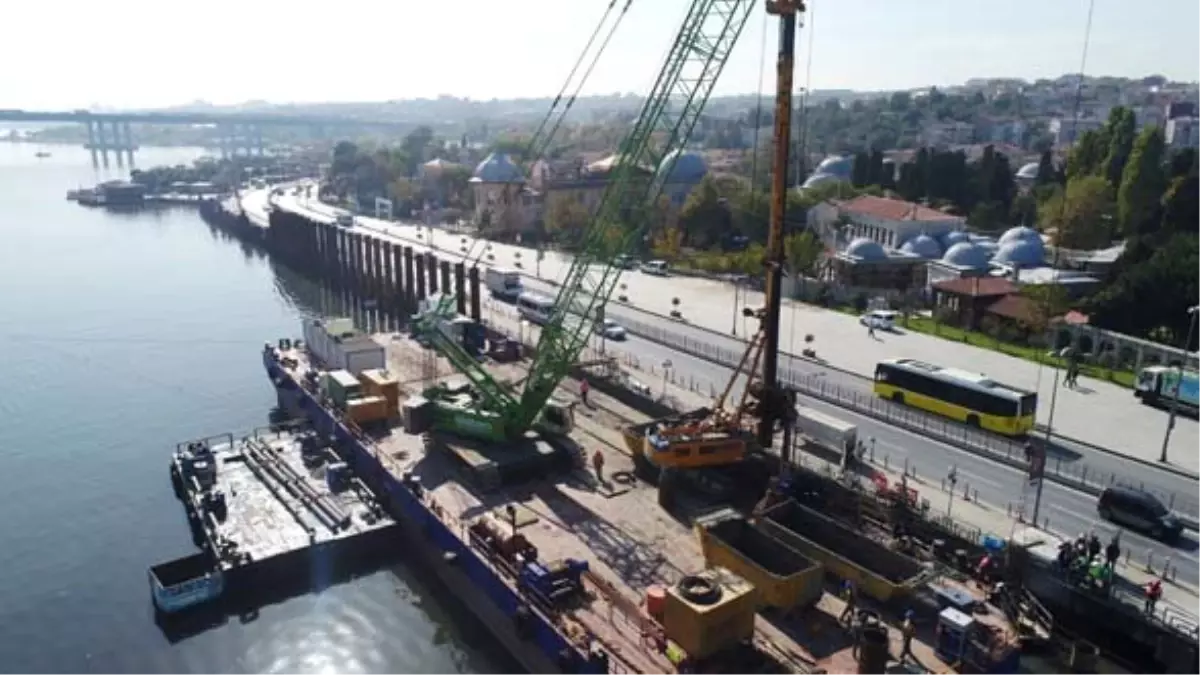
[{"x": 971, "y": 398}]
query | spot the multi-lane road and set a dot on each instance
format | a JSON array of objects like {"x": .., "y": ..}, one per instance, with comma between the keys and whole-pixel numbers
[{"x": 1069, "y": 511}]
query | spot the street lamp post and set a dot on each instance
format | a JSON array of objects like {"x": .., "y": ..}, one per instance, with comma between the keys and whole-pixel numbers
[
  {"x": 1037, "y": 499},
  {"x": 1187, "y": 343}
]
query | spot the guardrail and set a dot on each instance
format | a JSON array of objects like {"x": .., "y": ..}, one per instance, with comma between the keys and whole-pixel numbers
[{"x": 999, "y": 448}]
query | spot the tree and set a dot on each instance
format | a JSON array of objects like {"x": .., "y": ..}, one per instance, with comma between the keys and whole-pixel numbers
[
  {"x": 860, "y": 172},
  {"x": 1181, "y": 206},
  {"x": 803, "y": 251},
  {"x": 1047, "y": 302},
  {"x": 1080, "y": 215},
  {"x": 1142, "y": 184},
  {"x": 1088, "y": 154},
  {"x": 1046, "y": 172},
  {"x": 1122, "y": 130},
  {"x": 668, "y": 244},
  {"x": 565, "y": 221},
  {"x": 705, "y": 217}
]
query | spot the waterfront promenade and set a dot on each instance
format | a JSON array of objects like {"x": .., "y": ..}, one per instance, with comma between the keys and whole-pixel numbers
[{"x": 1095, "y": 413}]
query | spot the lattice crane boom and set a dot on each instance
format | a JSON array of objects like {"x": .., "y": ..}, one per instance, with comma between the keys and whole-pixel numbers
[{"x": 709, "y": 32}]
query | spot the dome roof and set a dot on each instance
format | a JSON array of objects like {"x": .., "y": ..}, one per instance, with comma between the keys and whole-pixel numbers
[
  {"x": 1021, "y": 233},
  {"x": 1029, "y": 171},
  {"x": 689, "y": 167},
  {"x": 966, "y": 254},
  {"x": 498, "y": 168},
  {"x": 822, "y": 179},
  {"x": 1023, "y": 253},
  {"x": 923, "y": 246},
  {"x": 866, "y": 249},
  {"x": 836, "y": 165},
  {"x": 953, "y": 237}
]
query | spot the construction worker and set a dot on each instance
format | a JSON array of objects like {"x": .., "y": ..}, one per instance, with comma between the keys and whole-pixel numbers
[
  {"x": 847, "y": 616},
  {"x": 598, "y": 465},
  {"x": 583, "y": 391},
  {"x": 1153, "y": 593},
  {"x": 1093, "y": 546},
  {"x": 907, "y": 631}
]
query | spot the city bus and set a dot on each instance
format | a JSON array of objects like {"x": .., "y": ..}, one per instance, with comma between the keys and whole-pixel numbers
[
  {"x": 535, "y": 308},
  {"x": 971, "y": 398}
]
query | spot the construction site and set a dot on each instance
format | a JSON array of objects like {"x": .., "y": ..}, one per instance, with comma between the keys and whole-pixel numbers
[{"x": 595, "y": 527}]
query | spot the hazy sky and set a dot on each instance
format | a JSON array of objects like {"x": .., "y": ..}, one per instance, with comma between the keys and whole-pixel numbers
[{"x": 135, "y": 53}]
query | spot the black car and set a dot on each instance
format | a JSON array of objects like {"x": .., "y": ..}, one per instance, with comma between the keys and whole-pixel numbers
[{"x": 1139, "y": 510}]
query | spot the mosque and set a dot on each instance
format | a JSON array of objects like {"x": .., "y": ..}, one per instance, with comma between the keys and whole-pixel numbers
[{"x": 515, "y": 206}]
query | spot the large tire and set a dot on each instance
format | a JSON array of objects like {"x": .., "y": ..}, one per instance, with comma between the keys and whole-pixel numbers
[{"x": 700, "y": 591}]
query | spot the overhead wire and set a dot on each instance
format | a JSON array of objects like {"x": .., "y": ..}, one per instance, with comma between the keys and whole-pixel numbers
[{"x": 540, "y": 142}]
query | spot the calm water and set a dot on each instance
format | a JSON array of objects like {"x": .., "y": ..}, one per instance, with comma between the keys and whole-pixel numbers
[{"x": 121, "y": 335}]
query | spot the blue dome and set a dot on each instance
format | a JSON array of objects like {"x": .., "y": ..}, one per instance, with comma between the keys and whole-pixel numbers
[
  {"x": 689, "y": 167},
  {"x": 1020, "y": 253},
  {"x": 867, "y": 250},
  {"x": 953, "y": 237},
  {"x": 923, "y": 246},
  {"x": 821, "y": 179},
  {"x": 966, "y": 254},
  {"x": 1021, "y": 233},
  {"x": 1028, "y": 172},
  {"x": 836, "y": 165},
  {"x": 498, "y": 168}
]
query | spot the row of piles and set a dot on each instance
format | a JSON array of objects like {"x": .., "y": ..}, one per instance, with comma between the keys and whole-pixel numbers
[{"x": 394, "y": 274}]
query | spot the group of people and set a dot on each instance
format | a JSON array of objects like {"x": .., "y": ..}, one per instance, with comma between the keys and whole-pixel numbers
[{"x": 1081, "y": 560}]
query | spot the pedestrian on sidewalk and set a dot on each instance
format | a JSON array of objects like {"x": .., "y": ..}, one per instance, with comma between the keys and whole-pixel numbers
[
  {"x": 847, "y": 616},
  {"x": 1112, "y": 552},
  {"x": 907, "y": 631},
  {"x": 583, "y": 391},
  {"x": 1153, "y": 593},
  {"x": 598, "y": 465}
]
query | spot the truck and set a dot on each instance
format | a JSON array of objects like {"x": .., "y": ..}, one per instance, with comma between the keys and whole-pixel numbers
[
  {"x": 826, "y": 436},
  {"x": 1156, "y": 385},
  {"x": 504, "y": 284}
]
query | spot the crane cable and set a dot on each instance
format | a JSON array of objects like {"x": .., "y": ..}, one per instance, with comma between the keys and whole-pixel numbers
[{"x": 541, "y": 139}]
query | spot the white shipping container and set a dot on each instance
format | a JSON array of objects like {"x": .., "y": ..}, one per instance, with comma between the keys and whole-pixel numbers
[
  {"x": 826, "y": 430},
  {"x": 336, "y": 345}
]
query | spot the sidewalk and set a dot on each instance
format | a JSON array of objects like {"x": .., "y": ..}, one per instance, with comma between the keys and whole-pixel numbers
[{"x": 1177, "y": 596}]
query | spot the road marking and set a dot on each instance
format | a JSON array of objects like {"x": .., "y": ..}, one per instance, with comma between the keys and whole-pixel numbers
[{"x": 1095, "y": 522}]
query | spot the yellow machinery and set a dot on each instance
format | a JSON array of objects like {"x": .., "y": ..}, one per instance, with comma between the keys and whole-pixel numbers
[
  {"x": 785, "y": 578},
  {"x": 709, "y": 612},
  {"x": 707, "y": 437}
]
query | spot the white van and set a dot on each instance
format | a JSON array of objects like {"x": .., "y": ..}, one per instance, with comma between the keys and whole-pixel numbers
[
  {"x": 879, "y": 319},
  {"x": 655, "y": 267}
]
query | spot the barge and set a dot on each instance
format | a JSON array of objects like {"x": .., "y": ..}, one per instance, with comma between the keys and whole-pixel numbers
[
  {"x": 570, "y": 570},
  {"x": 267, "y": 510}
]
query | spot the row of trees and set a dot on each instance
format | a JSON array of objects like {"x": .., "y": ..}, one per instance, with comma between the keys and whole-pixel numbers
[{"x": 394, "y": 172}]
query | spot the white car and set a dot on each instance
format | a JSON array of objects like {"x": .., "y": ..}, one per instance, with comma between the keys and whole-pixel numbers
[
  {"x": 610, "y": 329},
  {"x": 879, "y": 319}
]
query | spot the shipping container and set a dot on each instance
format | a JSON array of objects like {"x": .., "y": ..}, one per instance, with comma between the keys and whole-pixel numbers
[
  {"x": 367, "y": 409},
  {"x": 342, "y": 387},
  {"x": 785, "y": 578},
  {"x": 335, "y": 344},
  {"x": 826, "y": 430},
  {"x": 379, "y": 382}
]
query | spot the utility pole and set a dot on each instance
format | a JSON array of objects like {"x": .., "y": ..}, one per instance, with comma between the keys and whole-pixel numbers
[
  {"x": 775, "y": 402},
  {"x": 1187, "y": 343}
]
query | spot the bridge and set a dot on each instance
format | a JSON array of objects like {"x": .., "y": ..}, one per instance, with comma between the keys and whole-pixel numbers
[{"x": 236, "y": 132}]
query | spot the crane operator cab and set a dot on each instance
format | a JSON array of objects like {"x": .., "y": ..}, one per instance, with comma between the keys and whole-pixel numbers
[{"x": 558, "y": 418}]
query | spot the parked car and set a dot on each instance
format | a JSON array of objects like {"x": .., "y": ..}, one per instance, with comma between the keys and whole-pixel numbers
[
  {"x": 610, "y": 329},
  {"x": 1138, "y": 510},
  {"x": 624, "y": 262}
]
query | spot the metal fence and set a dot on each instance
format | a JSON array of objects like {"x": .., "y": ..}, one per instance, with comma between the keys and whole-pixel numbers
[{"x": 861, "y": 400}]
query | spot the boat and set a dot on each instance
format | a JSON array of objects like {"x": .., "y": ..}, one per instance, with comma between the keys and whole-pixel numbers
[{"x": 41, "y": 154}]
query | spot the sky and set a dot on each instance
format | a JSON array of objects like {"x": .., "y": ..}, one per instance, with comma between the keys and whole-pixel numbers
[{"x": 57, "y": 54}]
